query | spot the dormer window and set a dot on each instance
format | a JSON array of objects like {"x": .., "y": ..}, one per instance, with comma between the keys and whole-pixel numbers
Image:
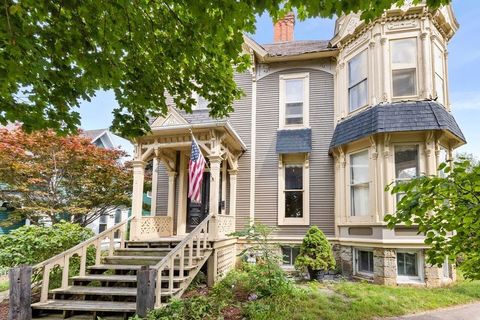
[
  {"x": 294, "y": 100},
  {"x": 201, "y": 102},
  {"x": 404, "y": 67},
  {"x": 357, "y": 81}
]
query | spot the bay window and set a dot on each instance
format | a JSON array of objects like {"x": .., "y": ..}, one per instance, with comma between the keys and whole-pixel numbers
[
  {"x": 404, "y": 67},
  {"x": 294, "y": 100},
  {"x": 359, "y": 184},
  {"x": 406, "y": 164},
  {"x": 357, "y": 81}
]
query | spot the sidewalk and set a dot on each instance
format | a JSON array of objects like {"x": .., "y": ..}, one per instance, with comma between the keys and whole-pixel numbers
[{"x": 463, "y": 312}]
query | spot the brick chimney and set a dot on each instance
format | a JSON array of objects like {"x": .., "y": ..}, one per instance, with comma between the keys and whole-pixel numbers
[{"x": 283, "y": 28}]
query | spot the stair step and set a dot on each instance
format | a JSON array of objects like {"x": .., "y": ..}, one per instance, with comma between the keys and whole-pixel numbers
[
  {"x": 118, "y": 278},
  {"x": 97, "y": 291},
  {"x": 104, "y": 291},
  {"x": 140, "y": 260},
  {"x": 148, "y": 252},
  {"x": 81, "y": 305},
  {"x": 75, "y": 317},
  {"x": 129, "y": 267}
]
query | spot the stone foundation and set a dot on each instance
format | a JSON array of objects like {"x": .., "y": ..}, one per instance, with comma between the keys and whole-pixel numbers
[
  {"x": 385, "y": 266},
  {"x": 344, "y": 259}
]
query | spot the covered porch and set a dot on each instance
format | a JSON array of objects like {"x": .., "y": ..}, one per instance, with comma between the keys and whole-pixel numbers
[{"x": 168, "y": 148}]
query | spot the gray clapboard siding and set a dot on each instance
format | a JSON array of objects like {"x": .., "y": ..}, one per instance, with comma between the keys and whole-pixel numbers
[
  {"x": 321, "y": 164},
  {"x": 241, "y": 120}
]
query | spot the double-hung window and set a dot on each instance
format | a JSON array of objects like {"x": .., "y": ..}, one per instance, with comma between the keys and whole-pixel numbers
[
  {"x": 404, "y": 67},
  {"x": 359, "y": 184},
  {"x": 102, "y": 223},
  {"x": 294, "y": 100},
  {"x": 439, "y": 74},
  {"x": 357, "y": 81},
  {"x": 293, "y": 190},
  {"x": 406, "y": 164}
]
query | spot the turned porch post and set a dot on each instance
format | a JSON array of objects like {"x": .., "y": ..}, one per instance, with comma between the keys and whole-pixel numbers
[
  {"x": 233, "y": 191},
  {"x": 137, "y": 195},
  {"x": 171, "y": 193},
  {"x": 215, "y": 162}
]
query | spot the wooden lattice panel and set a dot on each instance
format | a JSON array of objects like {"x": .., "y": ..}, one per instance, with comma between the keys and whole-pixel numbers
[
  {"x": 155, "y": 226},
  {"x": 225, "y": 260},
  {"x": 225, "y": 224}
]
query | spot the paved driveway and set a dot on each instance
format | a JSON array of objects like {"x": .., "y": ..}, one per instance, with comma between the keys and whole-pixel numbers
[{"x": 465, "y": 312}]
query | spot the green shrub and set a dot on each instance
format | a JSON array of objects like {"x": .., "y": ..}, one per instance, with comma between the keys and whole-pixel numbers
[
  {"x": 34, "y": 244},
  {"x": 315, "y": 253}
]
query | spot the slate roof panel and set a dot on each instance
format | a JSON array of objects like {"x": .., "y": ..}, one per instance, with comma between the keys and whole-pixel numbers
[
  {"x": 395, "y": 117},
  {"x": 291, "y": 48},
  {"x": 294, "y": 141}
]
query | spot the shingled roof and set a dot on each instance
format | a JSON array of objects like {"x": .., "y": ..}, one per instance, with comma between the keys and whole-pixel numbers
[
  {"x": 294, "y": 141},
  {"x": 292, "y": 48},
  {"x": 395, "y": 117}
]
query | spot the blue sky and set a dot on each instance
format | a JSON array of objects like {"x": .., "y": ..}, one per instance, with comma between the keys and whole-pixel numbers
[{"x": 464, "y": 71}]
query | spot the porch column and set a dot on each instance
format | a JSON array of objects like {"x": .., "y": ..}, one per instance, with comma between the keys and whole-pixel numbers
[
  {"x": 215, "y": 162},
  {"x": 153, "y": 208},
  {"x": 137, "y": 195},
  {"x": 171, "y": 194},
  {"x": 233, "y": 192}
]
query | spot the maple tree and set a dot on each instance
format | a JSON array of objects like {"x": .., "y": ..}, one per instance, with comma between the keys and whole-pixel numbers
[
  {"x": 56, "y": 53},
  {"x": 44, "y": 175}
]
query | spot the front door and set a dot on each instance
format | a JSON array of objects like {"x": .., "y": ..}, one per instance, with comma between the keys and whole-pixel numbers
[{"x": 198, "y": 211}]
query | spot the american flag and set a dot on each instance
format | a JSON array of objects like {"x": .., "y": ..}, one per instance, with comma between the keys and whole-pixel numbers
[{"x": 196, "y": 167}]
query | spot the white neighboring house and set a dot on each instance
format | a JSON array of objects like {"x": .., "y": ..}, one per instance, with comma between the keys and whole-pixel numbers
[{"x": 103, "y": 138}]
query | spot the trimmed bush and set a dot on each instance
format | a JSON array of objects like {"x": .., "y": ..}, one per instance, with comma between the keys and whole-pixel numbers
[
  {"x": 34, "y": 244},
  {"x": 316, "y": 253}
]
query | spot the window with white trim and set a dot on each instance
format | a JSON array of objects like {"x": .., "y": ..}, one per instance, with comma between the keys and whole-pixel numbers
[
  {"x": 289, "y": 255},
  {"x": 358, "y": 81},
  {"x": 406, "y": 164},
  {"x": 359, "y": 184},
  {"x": 404, "y": 67},
  {"x": 409, "y": 266},
  {"x": 293, "y": 195},
  {"x": 364, "y": 261},
  {"x": 294, "y": 101},
  {"x": 102, "y": 223},
  {"x": 439, "y": 74}
]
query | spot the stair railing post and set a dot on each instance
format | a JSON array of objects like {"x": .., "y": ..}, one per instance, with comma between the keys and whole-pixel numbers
[
  {"x": 83, "y": 261},
  {"x": 145, "y": 290},
  {"x": 98, "y": 253},
  {"x": 65, "y": 271},
  {"x": 190, "y": 253},
  {"x": 20, "y": 279},
  {"x": 45, "y": 283},
  {"x": 111, "y": 245}
]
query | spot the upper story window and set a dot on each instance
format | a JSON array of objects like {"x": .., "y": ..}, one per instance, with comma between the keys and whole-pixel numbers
[
  {"x": 406, "y": 164},
  {"x": 439, "y": 74},
  {"x": 359, "y": 184},
  {"x": 357, "y": 81},
  {"x": 294, "y": 100},
  {"x": 404, "y": 67}
]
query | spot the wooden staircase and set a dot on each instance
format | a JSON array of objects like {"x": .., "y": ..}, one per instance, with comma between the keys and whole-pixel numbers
[{"x": 108, "y": 289}]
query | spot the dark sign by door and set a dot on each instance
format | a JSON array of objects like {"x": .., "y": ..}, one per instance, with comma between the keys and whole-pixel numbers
[{"x": 198, "y": 211}]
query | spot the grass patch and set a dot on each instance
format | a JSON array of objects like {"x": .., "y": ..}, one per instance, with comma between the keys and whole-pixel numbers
[
  {"x": 359, "y": 300},
  {"x": 4, "y": 285}
]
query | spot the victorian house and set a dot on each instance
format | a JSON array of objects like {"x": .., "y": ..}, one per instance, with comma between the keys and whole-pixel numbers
[{"x": 323, "y": 127}]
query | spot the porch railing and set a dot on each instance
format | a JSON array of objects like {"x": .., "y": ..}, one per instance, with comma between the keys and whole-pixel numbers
[
  {"x": 153, "y": 227},
  {"x": 63, "y": 259},
  {"x": 225, "y": 225},
  {"x": 195, "y": 243}
]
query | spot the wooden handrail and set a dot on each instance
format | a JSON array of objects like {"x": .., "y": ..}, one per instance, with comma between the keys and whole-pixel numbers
[
  {"x": 168, "y": 262},
  {"x": 63, "y": 259}
]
